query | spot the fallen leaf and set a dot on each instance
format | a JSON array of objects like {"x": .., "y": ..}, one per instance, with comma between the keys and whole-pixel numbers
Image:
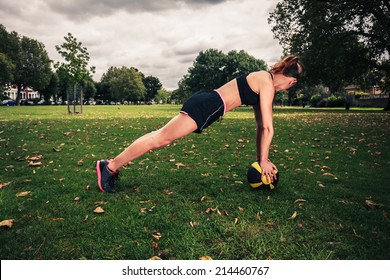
[
  {"x": 308, "y": 170},
  {"x": 371, "y": 204},
  {"x": 235, "y": 220},
  {"x": 143, "y": 210},
  {"x": 100, "y": 203},
  {"x": 321, "y": 185},
  {"x": 180, "y": 165},
  {"x": 325, "y": 167},
  {"x": 294, "y": 215},
  {"x": 2, "y": 185},
  {"x": 35, "y": 158},
  {"x": 76, "y": 198},
  {"x": 7, "y": 223},
  {"x": 328, "y": 174},
  {"x": 167, "y": 192},
  {"x": 193, "y": 224},
  {"x": 57, "y": 219},
  {"x": 208, "y": 210},
  {"x": 98, "y": 210},
  {"x": 35, "y": 164},
  {"x": 21, "y": 194},
  {"x": 155, "y": 258},
  {"x": 156, "y": 235},
  {"x": 299, "y": 200},
  {"x": 205, "y": 258}
]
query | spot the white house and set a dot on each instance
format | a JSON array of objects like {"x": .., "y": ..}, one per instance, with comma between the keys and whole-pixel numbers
[{"x": 26, "y": 93}]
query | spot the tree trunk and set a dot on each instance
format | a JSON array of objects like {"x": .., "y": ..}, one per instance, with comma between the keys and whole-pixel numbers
[
  {"x": 68, "y": 98},
  {"x": 387, "y": 107},
  {"x": 81, "y": 100},
  {"x": 18, "y": 96},
  {"x": 74, "y": 98}
]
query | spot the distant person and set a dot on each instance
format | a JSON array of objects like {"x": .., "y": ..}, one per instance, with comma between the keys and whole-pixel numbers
[{"x": 204, "y": 108}]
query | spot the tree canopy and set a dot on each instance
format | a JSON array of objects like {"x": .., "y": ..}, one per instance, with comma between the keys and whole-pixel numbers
[
  {"x": 340, "y": 41},
  {"x": 23, "y": 61},
  {"x": 123, "y": 83},
  {"x": 212, "y": 68}
]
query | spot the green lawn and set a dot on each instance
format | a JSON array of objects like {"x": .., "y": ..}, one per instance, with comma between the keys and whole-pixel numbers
[{"x": 191, "y": 199}]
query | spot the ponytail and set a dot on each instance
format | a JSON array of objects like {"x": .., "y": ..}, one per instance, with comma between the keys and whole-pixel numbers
[{"x": 289, "y": 66}]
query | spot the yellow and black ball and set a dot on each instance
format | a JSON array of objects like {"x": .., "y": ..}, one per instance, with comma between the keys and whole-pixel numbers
[{"x": 255, "y": 179}]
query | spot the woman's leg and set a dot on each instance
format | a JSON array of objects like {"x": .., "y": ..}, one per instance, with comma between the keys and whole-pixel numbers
[{"x": 178, "y": 127}]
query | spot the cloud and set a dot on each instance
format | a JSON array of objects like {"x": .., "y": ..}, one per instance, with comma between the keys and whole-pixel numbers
[
  {"x": 160, "y": 38},
  {"x": 82, "y": 10}
]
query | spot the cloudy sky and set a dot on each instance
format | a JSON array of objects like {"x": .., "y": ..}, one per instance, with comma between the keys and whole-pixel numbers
[{"x": 159, "y": 37}]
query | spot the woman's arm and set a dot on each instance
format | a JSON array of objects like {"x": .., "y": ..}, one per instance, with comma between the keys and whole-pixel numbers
[
  {"x": 259, "y": 126},
  {"x": 265, "y": 129}
]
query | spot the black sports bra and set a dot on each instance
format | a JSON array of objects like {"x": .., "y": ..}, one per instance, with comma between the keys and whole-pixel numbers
[{"x": 247, "y": 95}]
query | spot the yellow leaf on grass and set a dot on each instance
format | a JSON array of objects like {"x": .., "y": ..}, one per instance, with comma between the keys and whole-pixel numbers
[
  {"x": 2, "y": 185},
  {"x": 156, "y": 235},
  {"x": 21, "y": 194},
  {"x": 299, "y": 200},
  {"x": 294, "y": 215},
  {"x": 35, "y": 164},
  {"x": 371, "y": 204},
  {"x": 100, "y": 203},
  {"x": 328, "y": 174},
  {"x": 7, "y": 223},
  {"x": 205, "y": 258},
  {"x": 98, "y": 210},
  {"x": 155, "y": 258}
]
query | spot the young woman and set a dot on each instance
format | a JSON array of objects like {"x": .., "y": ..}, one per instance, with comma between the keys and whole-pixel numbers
[{"x": 203, "y": 108}]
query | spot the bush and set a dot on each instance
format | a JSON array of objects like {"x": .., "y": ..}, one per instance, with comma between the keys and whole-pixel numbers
[
  {"x": 360, "y": 94},
  {"x": 335, "y": 101},
  {"x": 315, "y": 99}
]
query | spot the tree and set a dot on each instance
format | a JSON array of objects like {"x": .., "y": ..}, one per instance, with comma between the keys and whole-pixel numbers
[
  {"x": 239, "y": 63},
  {"x": 90, "y": 89},
  {"x": 27, "y": 59},
  {"x": 33, "y": 69},
  {"x": 6, "y": 70},
  {"x": 207, "y": 71},
  {"x": 339, "y": 40},
  {"x": 52, "y": 90},
  {"x": 124, "y": 84},
  {"x": 75, "y": 66},
  {"x": 152, "y": 85},
  {"x": 163, "y": 96},
  {"x": 212, "y": 68},
  {"x": 9, "y": 53}
]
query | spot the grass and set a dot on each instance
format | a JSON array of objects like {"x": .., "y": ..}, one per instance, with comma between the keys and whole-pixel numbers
[{"x": 334, "y": 175}]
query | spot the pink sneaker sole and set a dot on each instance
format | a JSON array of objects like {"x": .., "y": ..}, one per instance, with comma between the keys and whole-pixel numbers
[{"x": 99, "y": 175}]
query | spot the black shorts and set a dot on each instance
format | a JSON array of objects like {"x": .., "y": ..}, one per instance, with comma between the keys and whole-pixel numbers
[{"x": 204, "y": 108}]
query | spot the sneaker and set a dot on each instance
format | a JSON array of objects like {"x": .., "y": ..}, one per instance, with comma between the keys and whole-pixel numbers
[{"x": 106, "y": 178}]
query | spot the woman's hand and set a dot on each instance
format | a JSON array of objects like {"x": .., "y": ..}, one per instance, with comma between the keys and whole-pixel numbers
[{"x": 268, "y": 170}]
